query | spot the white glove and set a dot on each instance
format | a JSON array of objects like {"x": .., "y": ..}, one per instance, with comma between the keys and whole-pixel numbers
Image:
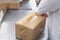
[{"x": 35, "y": 9}]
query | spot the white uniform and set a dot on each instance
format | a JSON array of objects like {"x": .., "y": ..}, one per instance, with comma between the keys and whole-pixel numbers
[{"x": 53, "y": 7}]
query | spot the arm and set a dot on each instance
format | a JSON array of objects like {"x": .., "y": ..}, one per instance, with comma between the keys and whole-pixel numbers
[{"x": 48, "y": 6}]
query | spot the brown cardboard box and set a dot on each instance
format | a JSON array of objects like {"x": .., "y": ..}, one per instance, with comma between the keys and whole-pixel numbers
[
  {"x": 29, "y": 27},
  {"x": 10, "y": 4},
  {"x": 3, "y": 6},
  {"x": 13, "y": 5}
]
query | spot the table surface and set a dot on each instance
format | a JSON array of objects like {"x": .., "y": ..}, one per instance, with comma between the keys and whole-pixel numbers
[{"x": 7, "y": 30}]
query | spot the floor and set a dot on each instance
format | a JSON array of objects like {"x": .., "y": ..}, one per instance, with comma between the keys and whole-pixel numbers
[{"x": 7, "y": 31}]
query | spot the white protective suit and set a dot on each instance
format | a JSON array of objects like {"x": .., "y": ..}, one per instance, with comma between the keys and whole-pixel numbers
[{"x": 53, "y": 7}]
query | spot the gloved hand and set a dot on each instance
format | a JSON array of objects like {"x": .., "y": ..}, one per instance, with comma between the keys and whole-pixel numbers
[{"x": 35, "y": 9}]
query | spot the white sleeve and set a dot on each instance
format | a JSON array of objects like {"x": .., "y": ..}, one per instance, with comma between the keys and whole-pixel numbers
[{"x": 48, "y": 6}]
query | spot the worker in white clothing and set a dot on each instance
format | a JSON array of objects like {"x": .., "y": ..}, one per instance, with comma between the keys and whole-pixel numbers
[{"x": 53, "y": 8}]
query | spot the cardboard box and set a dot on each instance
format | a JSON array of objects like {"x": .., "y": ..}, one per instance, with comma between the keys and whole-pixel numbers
[
  {"x": 13, "y": 5},
  {"x": 29, "y": 27},
  {"x": 3, "y": 6},
  {"x": 9, "y": 4}
]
